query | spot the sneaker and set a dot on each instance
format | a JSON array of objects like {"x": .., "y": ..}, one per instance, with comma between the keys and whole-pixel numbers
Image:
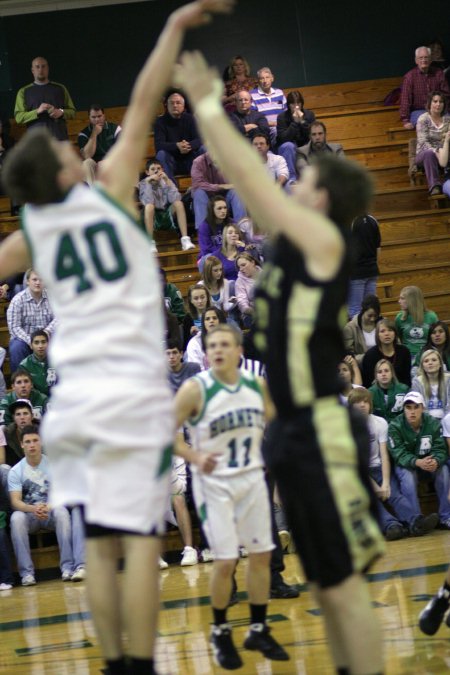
[
  {"x": 66, "y": 575},
  {"x": 162, "y": 564},
  {"x": 189, "y": 556},
  {"x": 5, "y": 587},
  {"x": 79, "y": 574},
  {"x": 153, "y": 246},
  {"x": 444, "y": 525},
  {"x": 259, "y": 639},
  {"x": 186, "y": 243},
  {"x": 283, "y": 591},
  {"x": 424, "y": 524},
  {"x": 225, "y": 653},
  {"x": 28, "y": 580},
  {"x": 285, "y": 539},
  {"x": 394, "y": 531},
  {"x": 243, "y": 553},
  {"x": 207, "y": 555},
  {"x": 431, "y": 617}
]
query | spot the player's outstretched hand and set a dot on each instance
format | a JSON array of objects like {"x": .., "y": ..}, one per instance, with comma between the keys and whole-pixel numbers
[
  {"x": 200, "y": 13},
  {"x": 196, "y": 78}
]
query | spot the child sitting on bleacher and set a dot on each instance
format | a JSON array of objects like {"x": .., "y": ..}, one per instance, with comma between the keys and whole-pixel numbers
[{"x": 161, "y": 201}]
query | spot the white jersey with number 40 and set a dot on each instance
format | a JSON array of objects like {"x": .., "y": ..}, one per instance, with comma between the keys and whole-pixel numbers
[
  {"x": 231, "y": 423},
  {"x": 103, "y": 286}
]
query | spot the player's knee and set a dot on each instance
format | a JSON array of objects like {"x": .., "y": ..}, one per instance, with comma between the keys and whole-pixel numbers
[{"x": 225, "y": 568}]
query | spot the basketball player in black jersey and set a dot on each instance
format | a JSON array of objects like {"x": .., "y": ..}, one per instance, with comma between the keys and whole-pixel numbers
[{"x": 319, "y": 452}]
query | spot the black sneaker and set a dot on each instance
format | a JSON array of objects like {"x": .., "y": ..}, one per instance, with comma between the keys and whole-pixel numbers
[
  {"x": 224, "y": 650},
  {"x": 424, "y": 524},
  {"x": 259, "y": 639},
  {"x": 395, "y": 531},
  {"x": 431, "y": 617},
  {"x": 282, "y": 590}
]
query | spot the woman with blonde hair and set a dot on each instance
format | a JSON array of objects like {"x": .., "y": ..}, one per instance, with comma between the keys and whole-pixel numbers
[
  {"x": 245, "y": 286},
  {"x": 433, "y": 383},
  {"x": 229, "y": 251},
  {"x": 414, "y": 320},
  {"x": 387, "y": 392},
  {"x": 238, "y": 77}
]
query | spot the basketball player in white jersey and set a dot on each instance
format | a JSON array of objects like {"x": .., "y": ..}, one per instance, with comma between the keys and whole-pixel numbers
[
  {"x": 226, "y": 410},
  {"x": 99, "y": 272}
]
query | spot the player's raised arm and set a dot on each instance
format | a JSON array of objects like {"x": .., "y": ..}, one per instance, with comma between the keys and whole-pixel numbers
[
  {"x": 119, "y": 171},
  {"x": 270, "y": 207}
]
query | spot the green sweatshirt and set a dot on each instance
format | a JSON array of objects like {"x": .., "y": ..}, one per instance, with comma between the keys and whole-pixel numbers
[
  {"x": 406, "y": 446},
  {"x": 391, "y": 407}
]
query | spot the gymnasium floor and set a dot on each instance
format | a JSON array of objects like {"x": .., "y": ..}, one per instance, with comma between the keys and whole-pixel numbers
[{"x": 46, "y": 629}]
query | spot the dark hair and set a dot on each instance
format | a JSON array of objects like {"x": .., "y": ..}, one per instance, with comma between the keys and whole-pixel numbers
[
  {"x": 39, "y": 333},
  {"x": 430, "y": 97},
  {"x": 211, "y": 218},
  {"x": 96, "y": 106},
  {"x": 318, "y": 123},
  {"x": 174, "y": 344},
  {"x": 369, "y": 302},
  {"x": 29, "y": 429},
  {"x": 295, "y": 97},
  {"x": 151, "y": 161},
  {"x": 348, "y": 184},
  {"x": 220, "y": 315},
  {"x": 30, "y": 170},
  {"x": 261, "y": 134},
  {"x": 19, "y": 373}
]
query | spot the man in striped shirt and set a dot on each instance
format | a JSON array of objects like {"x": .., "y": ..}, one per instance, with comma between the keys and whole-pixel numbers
[{"x": 268, "y": 100}]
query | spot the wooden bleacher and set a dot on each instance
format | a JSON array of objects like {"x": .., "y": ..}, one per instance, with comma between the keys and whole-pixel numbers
[{"x": 415, "y": 229}]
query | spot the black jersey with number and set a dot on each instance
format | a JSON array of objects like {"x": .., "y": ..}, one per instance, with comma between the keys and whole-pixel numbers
[{"x": 299, "y": 323}]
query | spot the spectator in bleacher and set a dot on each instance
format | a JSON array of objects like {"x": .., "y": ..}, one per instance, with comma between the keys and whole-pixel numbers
[
  {"x": 275, "y": 164},
  {"x": 96, "y": 140},
  {"x": 414, "y": 320},
  {"x": 359, "y": 333},
  {"x": 162, "y": 201},
  {"x": 439, "y": 339},
  {"x": 28, "y": 485},
  {"x": 268, "y": 100},
  {"x": 22, "y": 388},
  {"x": 433, "y": 383},
  {"x": 237, "y": 77},
  {"x": 44, "y": 103},
  {"x": 6, "y": 574},
  {"x": 293, "y": 129},
  {"x": 437, "y": 56},
  {"x": 196, "y": 347},
  {"x": 317, "y": 145},
  {"x": 387, "y": 392},
  {"x": 210, "y": 230},
  {"x": 247, "y": 121},
  {"x": 416, "y": 84},
  {"x": 253, "y": 237},
  {"x": 432, "y": 127},
  {"x": 177, "y": 141},
  {"x": 173, "y": 299},
  {"x": 443, "y": 159},
  {"x": 28, "y": 311},
  {"x": 248, "y": 274},
  {"x": 2, "y": 377},
  {"x": 365, "y": 242},
  {"x": 349, "y": 377},
  {"x": 384, "y": 482},
  {"x": 179, "y": 370},
  {"x": 419, "y": 453},
  {"x": 387, "y": 347},
  {"x": 207, "y": 181},
  {"x": 220, "y": 288},
  {"x": 231, "y": 247},
  {"x": 22, "y": 414},
  {"x": 43, "y": 376},
  {"x": 6, "y": 144},
  {"x": 198, "y": 300}
]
